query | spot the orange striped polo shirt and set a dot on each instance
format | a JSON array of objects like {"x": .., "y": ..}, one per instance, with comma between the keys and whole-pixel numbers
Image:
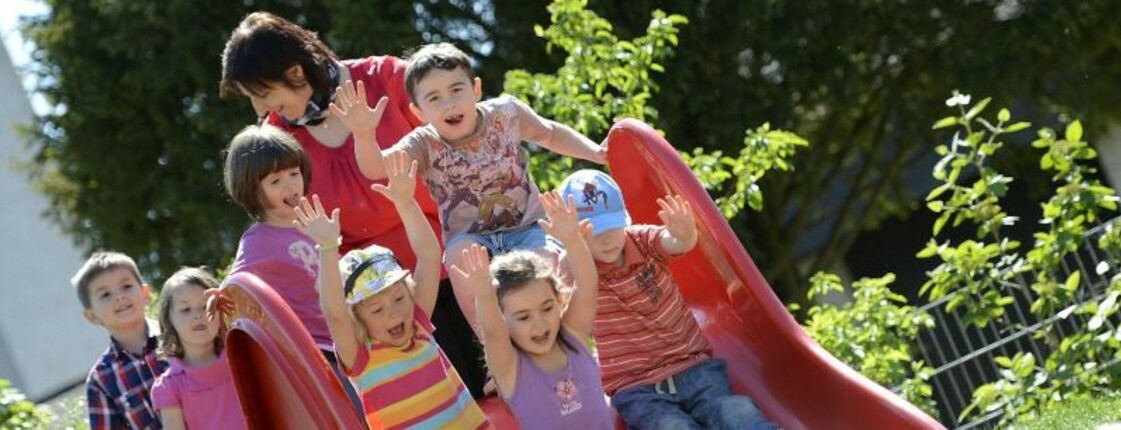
[{"x": 644, "y": 331}]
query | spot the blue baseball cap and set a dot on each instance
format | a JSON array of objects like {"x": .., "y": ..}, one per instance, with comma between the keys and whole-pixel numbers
[{"x": 598, "y": 199}]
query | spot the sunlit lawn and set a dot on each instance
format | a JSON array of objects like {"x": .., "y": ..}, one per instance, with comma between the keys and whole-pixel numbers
[{"x": 1076, "y": 415}]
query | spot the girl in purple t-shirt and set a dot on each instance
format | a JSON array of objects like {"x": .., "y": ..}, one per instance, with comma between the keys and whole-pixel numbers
[
  {"x": 197, "y": 391},
  {"x": 535, "y": 347}
]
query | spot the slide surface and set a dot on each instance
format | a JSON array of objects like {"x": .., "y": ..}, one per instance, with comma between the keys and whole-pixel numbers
[
  {"x": 793, "y": 380},
  {"x": 284, "y": 382}
]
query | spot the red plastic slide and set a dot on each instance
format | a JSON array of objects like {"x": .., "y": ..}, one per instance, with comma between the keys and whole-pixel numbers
[
  {"x": 795, "y": 382},
  {"x": 285, "y": 383}
]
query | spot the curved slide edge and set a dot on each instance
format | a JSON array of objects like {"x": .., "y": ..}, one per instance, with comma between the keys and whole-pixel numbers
[
  {"x": 793, "y": 380},
  {"x": 282, "y": 379}
]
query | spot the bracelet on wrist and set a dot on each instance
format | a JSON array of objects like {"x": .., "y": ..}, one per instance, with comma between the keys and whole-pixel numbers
[{"x": 326, "y": 246}]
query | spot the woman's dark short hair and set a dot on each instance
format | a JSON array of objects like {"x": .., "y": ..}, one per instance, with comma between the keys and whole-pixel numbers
[
  {"x": 254, "y": 153},
  {"x": 264, "y": 46}
]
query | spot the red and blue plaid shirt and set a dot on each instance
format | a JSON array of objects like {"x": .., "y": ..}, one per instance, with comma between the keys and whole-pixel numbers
[{"x": 118, "y": 388}]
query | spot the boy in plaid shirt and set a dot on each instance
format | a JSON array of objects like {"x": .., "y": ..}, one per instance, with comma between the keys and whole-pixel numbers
[{"x": 119, "y": 384}]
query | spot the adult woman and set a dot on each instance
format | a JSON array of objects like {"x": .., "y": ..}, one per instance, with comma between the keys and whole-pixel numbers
[{"x": 290, "y": 77}]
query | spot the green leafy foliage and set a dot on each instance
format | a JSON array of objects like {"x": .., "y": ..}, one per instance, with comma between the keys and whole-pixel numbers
[
  {"x": 975, "y": 271},
  {"x": 603, "y": 79},
  {"x": 980, "y": 274},
  {"x": 19, "y": 414},
  {"x": 875, "y": 333},
  {"x": 1076, "y": 204},
  {"x": 763, "y": 150}
]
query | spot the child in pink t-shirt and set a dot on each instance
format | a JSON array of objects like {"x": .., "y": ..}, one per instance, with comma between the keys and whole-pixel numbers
[{"x": 197, "y": 391}]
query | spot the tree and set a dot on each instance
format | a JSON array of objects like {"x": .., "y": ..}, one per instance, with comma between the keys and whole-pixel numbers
[
  {"x": 855, "y": 78},
  {"x": 130, "y": 157},
  {"x": 858, "y": 79}
]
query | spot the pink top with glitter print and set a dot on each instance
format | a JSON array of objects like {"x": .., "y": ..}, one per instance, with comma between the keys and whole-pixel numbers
[{"x": 287, "y": 261}]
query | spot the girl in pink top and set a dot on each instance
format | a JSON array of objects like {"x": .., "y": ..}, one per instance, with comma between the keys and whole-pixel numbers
[
  {"x": 534, "y": 345},
  {"x": 197, "y": 391}
]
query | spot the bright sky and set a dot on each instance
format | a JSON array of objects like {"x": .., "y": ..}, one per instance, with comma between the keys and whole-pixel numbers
[{"x": 19, "y": 51}]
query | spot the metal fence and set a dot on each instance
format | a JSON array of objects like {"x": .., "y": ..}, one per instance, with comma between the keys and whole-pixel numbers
[{"x": 963, "y": 356}]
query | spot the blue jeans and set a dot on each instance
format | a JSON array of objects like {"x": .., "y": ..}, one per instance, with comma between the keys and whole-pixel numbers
[
  {"x": 698, "y": 397},
  {"x": 530, "y": 238}
]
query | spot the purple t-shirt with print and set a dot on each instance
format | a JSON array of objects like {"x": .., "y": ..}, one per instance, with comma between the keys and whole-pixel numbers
[{"x": 571, "y": 398}]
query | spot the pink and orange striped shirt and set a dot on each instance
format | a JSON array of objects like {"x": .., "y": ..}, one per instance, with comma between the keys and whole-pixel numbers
[
  {"x": 414, "y": 386},
  {"x": 644, "y": 331}
]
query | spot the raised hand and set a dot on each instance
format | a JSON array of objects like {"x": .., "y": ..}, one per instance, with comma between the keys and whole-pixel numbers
[
  {"x": 562, "y": 222},
  {"x": 473, "y": 270},
  {"x": 401, "y": 171},
  {"x": 677, "y": 216},
  {"x": 218, "y": 304},
  {"x": 350, "y": 106},
  {"x": 312, "y": 220}
]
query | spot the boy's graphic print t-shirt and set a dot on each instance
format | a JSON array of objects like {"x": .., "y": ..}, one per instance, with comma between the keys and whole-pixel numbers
[
  {"x": 486, "y": 187},
  {"x": 287, "y": 261}
]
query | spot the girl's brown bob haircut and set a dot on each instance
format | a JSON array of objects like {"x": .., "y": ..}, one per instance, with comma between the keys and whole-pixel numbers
[{"x": 254, "y": 153}]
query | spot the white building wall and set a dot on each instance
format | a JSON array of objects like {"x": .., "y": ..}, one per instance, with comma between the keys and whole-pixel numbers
[{"x": 45, "y": 343}]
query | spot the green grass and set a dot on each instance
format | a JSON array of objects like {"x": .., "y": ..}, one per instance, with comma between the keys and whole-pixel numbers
[{"x": 1074, "y": 415}]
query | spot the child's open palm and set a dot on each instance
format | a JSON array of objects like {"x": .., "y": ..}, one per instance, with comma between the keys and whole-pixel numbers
[
  {"x": 350, "y": 106},
  {"x": 312, "y": 220},
  {"x": 563, "y": 222},
  {"x": 401, "y": 171},
  {"x": 677, "y": 216},
  {"x": 473, "y": 269}
]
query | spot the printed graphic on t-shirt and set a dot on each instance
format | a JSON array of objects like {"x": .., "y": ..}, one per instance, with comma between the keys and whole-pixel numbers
[
  {"x": 304, "y": 253},
  {"x": 567, "y": 396},
  {"x": 484, "y": 187},
  {"x": 646, "y": 280}
]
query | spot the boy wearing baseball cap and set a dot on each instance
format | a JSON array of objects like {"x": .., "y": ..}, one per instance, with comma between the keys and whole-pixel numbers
[{"x": 657, "y": 366}]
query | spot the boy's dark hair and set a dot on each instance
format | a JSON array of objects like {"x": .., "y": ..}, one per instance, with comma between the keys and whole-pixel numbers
[
  {"x": 254, "y": 153},
  {"x": 97, "y": 264},
  {"x": 170, "y": 345},
  {"x": 264, "y": 46},
  {"x": 443, "y": 56}
]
